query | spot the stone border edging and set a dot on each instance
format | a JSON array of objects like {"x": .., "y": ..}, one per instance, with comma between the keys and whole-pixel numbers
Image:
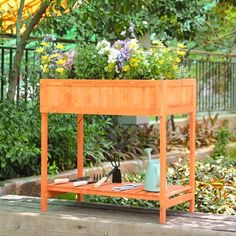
[{"x": 30, "y": 186}]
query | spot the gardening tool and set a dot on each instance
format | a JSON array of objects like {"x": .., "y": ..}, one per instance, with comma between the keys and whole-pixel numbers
[
  {"x": 126, "y": 187},
  {"x": 105, "y": 178},
  {"x": 67, "y": 180},
  {"x": 152, "y": 178},
  {"x": 116, "y": 175}
]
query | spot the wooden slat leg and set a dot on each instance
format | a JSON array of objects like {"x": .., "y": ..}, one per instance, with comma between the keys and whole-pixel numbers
[
  {"x": 44, "y": 160},
  {"x": 162, "y": 215},
  {"x": 80, "y": 150},
  {"x": 192, "y": 161},
  {"x": 163, "y": 187}
]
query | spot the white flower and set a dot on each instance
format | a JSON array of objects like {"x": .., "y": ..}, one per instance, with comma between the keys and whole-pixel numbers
[
  {"x": 103, "y": 47},
  {"x": 133, "y": 44},
  {"x": 113, "y": 55}
]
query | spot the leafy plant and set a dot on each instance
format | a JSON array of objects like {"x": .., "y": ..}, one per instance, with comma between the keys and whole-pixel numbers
[
  {"x": 19, "y": 156},
  {"x": 20, "y": 140},
  {"x": 89, "y": 64},
  {"x": 53, "y": 62},
  {"x": 215, "y": 188},
  {"x": 205, "y": 133},
  {"x": 222, "y": 139},
  {"x": 127, "y": 60},
  {"x": 215, "y": 185},
  {"x": 130, "y": 141},
  {"x": 97, "y": 147}
]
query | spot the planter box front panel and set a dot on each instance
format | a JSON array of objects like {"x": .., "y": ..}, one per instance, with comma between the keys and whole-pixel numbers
[
  {"x": 99, "y": 97},
  {"x": 117, "y": 97}
]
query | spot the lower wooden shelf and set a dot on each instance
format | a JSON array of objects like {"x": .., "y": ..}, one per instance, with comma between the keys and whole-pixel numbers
[{"x": 106, "y": 190}]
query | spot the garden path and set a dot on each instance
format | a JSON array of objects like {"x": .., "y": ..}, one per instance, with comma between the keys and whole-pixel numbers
[{"x": 20, "y": 215}]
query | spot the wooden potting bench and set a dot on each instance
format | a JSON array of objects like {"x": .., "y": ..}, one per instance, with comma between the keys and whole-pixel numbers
[{"x": 120, "y": 97}]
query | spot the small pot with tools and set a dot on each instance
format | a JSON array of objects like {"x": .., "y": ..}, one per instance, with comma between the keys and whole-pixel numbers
[{"x": 115, "y": 172}]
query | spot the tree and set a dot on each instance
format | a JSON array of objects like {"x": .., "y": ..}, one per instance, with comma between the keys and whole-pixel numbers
[
  {"x": 219, "y": 29},
  {"x": 167, "y": 18},
  {"x": 23, "y": 38}
]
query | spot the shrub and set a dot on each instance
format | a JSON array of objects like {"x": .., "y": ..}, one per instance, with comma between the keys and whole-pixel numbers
[
  {"x": 214, "y": 188},
  {"x": 19, "y": 153},
  {"x": 89, "y": 64},
  {"x": 222, "y": 139},
  {"x": 20, "y": 140},
  {"x": 129, "y": 141}
]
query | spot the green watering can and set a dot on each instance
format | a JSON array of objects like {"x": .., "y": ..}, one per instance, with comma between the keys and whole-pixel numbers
[{"x": 152, "y": 178}]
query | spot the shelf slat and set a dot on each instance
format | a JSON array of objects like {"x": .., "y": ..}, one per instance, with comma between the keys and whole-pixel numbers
[{"x": 106, "y": 190}]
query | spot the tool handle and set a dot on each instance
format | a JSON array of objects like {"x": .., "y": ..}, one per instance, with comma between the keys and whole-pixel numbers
[
  {"x": 61, "y": 181},
  {"x": 100, "y": 182},
  {"x": 80, "y": 183}
]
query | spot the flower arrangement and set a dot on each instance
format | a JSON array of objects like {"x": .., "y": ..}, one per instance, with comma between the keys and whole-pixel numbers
[
  {"x": 124, "y": 59},
  {"x": 54, "y": 63}
]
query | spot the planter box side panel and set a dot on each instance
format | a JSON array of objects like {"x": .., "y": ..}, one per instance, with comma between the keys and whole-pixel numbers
[
  {"x": 100, "y": 97},
  {"x": 180, "y": 96}
]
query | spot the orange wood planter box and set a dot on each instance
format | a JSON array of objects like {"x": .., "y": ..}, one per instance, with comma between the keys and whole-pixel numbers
[{"x": 120, "y": 97}]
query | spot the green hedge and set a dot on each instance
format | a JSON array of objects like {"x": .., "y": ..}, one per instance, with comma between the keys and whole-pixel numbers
[{"x": 20, "y": 140}]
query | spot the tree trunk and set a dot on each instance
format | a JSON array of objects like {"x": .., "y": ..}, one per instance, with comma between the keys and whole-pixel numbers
[{"x": 20, "y": 49}]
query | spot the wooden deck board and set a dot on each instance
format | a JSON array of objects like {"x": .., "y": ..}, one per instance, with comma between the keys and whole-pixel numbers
[{"x": 217, "y": 224}]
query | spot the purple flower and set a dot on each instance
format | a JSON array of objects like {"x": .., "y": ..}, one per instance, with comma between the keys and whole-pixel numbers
[
  {"x": 70, "y": 58},
  {"x": 49, "y": 38},
  {"x": 131, "y": 28}
]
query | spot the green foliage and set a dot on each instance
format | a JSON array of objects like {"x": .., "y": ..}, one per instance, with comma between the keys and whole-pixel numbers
[
  {"x": 130, "y": 141},
  {"x": 205, "y": 133},
  {"x": 97, "y": 147},
  {"x": 19, "y": 154},
  {"x": 215, "y": 185},
  {"x": 52, "y": 59},
  {"x": 222, "y": 139},
  {"x": 125, "y": 59},
  {"x": 215, "y": 189},
  {"x": 218, "y": 31},
  {"x": 20, "y": 141},
  {"x": 168, "y": 19},
  {"x": 62, "y": 144},
  {"x": 89, "y": 64}
]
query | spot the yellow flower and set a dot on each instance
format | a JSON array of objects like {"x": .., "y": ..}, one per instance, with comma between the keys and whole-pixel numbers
[
  {"x": 60, "y": 70},
  {"x": 133, "y": 44},
  {"x": 181, "y": 53},
  {"x": 44, "y": 68},
  {"x": 45, "y": 58},
  {"x": 134, "y": 62},
  {"x": 175, "y": 67},
  {"x": 110, "y": 67},
  {"x": 126, "y": 68},
  {"x": 161, "y": 62},
  {"x": 54, "y": 55},
  {"x": 59, "y": 46},
  {"x": 39, "y": 50},
  {"x": 181, "y": 45},
  {"x": 166, "y": 50},
  {"x": 177, "y": 59},
  {"x": 45, "y": 44},
  {"x": 61, "y": 62}
]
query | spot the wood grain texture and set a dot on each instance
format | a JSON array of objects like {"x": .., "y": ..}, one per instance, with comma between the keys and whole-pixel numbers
[
  {"x": 106, "y": 190},
  {"x": 115, "y": 97},
  {"x": 120, "y": 97}
]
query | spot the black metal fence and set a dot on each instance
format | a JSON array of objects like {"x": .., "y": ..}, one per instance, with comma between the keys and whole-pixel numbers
[
  {"x": 216, "y": 84},
  {"x": 216, "y": 81},
  {"x": 29, "y": 76}
]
